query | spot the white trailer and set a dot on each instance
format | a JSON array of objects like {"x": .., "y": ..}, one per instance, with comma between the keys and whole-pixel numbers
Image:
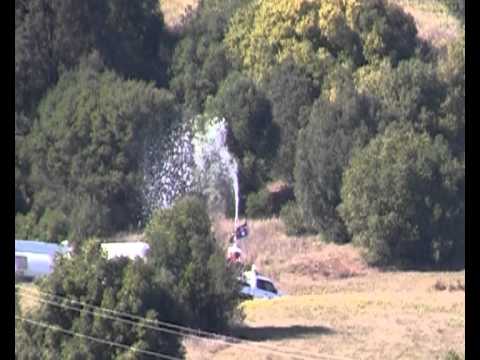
[
  {"x": 130, "y": 250},
  {"x": 34, "y": 259}
]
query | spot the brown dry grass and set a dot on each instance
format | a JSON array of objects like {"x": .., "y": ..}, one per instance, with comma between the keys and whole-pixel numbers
[
  {"x": 173, "y": 10},
  {"x": 340, "y": 307},
  {"x": 383, "y": 316},
  {"x": 354, "y": 311},
  {"x": 293, "y": 262},
  {"x": 434, "y": 23},
  {"x": 28, "y": 303}
]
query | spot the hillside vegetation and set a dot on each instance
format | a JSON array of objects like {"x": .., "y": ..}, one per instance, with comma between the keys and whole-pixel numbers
[{"x": 344, "y": 123}]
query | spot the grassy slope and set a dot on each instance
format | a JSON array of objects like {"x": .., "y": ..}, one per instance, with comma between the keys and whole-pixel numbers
[
  {"x": 173, "y": 10},
  {"x": 434, "y": 23},
  {"x": 339, "y": 306}
]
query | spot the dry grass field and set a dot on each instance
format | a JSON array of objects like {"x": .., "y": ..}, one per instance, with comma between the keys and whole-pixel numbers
[
  {"x": 173, "y": 10},
  {"x": 339, "y": 307},
  {"x": 336, "y": 306},
  {"x": 434, "y": 23}
]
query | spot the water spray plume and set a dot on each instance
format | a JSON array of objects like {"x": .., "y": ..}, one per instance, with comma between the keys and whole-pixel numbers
[{"x": 196, "y": 158}]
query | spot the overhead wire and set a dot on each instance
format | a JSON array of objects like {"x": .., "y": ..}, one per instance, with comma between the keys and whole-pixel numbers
[
  {"x": 93, "y": 338},
  {"x": 181, "y": 330},
  {"x": 176, "y": 332}
]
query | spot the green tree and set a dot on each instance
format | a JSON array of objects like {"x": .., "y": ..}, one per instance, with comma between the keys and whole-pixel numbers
[
  {"x": 88, "y": 146},
  {"x": 291, "y": 92},
  {"x": 199, "y": 62},
  {"x": 451, "y": 71},
  {"x": 51, "y": 36},
  {"x": 265, "y": 33},
  {"x": 403, "y": 200},
  {"x": 120, "y": 285},
  {"x": 386, "y": 31},
  {"x": 133, "y": 41},
  {"x": 341, "y": 122},
  {"x": 252, "y": 137},
  {"x": 409, "y": 92},
  {"x": 183, "y": 249}
]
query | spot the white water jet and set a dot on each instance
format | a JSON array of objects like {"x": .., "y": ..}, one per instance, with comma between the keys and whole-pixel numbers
[{"x": 212, "y": 158}]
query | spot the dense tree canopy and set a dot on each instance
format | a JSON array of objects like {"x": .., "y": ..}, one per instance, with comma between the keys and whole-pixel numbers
[
  {"x": 88, "y": 146},
  {"x": 184, "y": 249},
  {"x": 410, "y": 209},
  {"x": 410, "y": 92},
  {"x": 340, "y": 123},
  {"x": 291, "y": 92},
  {"x": 199, "y": 63},
  {"x": 120, "y": 285},
  {"x": 452, "y": 110},
  {"x": 303, "y": 86},
  {"x": 265, "y": 33},
  {"x": 51, "y": 36},
  {"x": 252, "y": 137}
]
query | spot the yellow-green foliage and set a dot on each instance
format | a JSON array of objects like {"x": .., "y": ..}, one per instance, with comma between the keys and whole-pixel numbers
[{"x": 264, "y": 33}]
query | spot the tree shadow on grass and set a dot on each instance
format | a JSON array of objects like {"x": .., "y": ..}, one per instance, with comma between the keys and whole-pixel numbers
[{"x": 264, "y": 333}]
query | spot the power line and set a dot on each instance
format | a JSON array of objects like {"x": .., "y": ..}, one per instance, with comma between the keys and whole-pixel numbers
[
  {"x": 188, "y": 331},
  {"x": 111, "y": 343},
  {"x": 173, "y": 332},
  {"x": 184, "y": 331}
]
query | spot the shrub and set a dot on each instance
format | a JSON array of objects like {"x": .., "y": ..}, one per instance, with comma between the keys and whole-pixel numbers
[
  {"x": 119, "y": 285},
  {"x": 292, "y": 217},
  {"x": 25, "y": 226},
  {"x": 403, "y": 199},
  {"x": 453, "y": 355},
  {"x": 259, "y": 204},
  {"x": 53, "y": 226},
  {"x": 183, "y": 249}
]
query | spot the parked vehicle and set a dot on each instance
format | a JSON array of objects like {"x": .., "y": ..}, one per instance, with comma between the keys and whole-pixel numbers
[
  {"x": 255, "y": 286},
  {"x": 34, "y": 259},
  {"x": 130, "y": 250}
]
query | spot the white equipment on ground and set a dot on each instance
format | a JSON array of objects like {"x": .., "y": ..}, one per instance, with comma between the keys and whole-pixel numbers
[{"x": 130, "y": 250}]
